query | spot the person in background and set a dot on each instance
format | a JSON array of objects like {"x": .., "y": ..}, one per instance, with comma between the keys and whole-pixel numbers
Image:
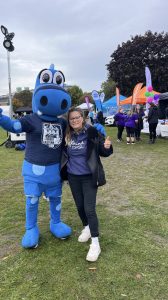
[
  {"x": 153, "y": 117},
  {"x": 139, "y": 125},
  {"x": 91, "y": 115},
  {"x": 166, "y": 112},
  {"x": 82, "y": 165},
  {"x": 130, "y": 123},
  {"x": 100, "y": 118},
  {"x": 97, "y": 125},
  {"x": 120, "y": 122}
]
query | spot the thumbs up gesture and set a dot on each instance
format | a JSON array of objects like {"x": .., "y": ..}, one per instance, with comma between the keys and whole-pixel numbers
[{"x": 107, "y": 142}]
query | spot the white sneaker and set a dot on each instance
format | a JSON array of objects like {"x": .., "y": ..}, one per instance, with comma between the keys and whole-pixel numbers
[
  {"x": 93, "y": 253},
  {"x": 85, "y": 235}
]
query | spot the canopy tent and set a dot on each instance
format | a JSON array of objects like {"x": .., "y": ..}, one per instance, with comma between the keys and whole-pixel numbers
[
  {"x": 84, "y": 106},
  {"x": 23, "y": 109},
  {"x": 112, "y": 101},
  {"x": 141, "y": 98},
  {"x": 163, "y": 96},
  {"x": 110, "y": 106}
]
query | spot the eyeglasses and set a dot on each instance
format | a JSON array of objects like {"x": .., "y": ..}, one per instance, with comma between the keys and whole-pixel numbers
[{"x": 75, "y": 118}]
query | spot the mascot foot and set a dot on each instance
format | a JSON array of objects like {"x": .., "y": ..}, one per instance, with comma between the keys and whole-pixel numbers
[
  {"x": 60, "y": 230},
  {"x": 31, "y": 238}
]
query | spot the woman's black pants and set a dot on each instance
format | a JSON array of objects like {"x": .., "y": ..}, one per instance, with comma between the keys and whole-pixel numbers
[
  {"x": 152, "y": 131},
  {"x": 120, "y": 131},
  {"x": 84, "y": 194}
]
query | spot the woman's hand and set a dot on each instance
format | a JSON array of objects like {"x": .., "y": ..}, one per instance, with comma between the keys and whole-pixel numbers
[{"x": 107, "y": 143}]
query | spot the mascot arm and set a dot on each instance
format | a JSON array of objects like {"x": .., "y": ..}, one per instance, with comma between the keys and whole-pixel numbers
[
  {"x": 10, "y": 125},
  {"x": 100, "y": 128}
]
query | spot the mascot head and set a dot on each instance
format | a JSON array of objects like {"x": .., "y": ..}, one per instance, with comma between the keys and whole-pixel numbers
[{"x": 50, "y": 99}]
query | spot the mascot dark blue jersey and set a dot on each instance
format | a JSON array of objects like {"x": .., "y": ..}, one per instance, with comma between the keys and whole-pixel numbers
[{"x": 44, "y": 142}]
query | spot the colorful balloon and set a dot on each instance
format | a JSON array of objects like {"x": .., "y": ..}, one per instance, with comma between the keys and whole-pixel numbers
[
  {"x": 147, "y": 94},
  {"x": 150, "y": 88},
  {"x": 156, "y": 97},
  {"x": 150, "y": 99}
]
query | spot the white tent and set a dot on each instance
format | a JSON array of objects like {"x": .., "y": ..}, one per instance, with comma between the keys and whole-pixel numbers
[{"x": 84, "y": 106}]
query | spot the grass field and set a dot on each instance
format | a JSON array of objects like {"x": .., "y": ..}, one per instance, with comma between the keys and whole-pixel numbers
[{"x": 133, "y": 214}]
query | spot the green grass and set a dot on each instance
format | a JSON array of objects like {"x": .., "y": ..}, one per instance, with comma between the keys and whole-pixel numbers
[{"x": 133, "y": 215}]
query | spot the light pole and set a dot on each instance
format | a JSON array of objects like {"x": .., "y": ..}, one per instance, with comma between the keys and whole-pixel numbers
[{"x": 9, "y": 47}]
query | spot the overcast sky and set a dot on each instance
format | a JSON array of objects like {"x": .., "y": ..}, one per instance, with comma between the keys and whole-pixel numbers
[{"x": 78, "y": 36}]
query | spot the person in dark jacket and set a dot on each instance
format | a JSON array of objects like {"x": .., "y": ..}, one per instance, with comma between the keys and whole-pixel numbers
[
  {"x": 139, "y": 125},
  {"x": 100, "y": 118},
  {"x": 153, "y": 117},
  {"x": 82, "y": 165},
  {"x": 120, "y": 122}
]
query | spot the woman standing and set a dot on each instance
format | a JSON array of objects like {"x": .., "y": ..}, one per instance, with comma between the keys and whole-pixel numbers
[
  {"x": 120, "y": 122},
  {"x": 139, "y": 125},
  {"x": 130, "y": 124},
  {"x": 153, "y": 117},
  {"x": 81, "y": 158}
]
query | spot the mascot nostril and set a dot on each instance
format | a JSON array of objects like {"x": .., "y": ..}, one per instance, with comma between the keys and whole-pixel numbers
[
  {"x": 44, "y": 100},
  {"x": 64, "y": 104}
]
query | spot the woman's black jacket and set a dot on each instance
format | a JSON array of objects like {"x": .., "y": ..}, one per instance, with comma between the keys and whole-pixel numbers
[
  {"x": 153, "y": 115},
  {"x": 95, "y": 149}
]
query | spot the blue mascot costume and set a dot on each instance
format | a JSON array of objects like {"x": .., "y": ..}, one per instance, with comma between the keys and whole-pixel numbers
[{"x": 44, "y": 143}]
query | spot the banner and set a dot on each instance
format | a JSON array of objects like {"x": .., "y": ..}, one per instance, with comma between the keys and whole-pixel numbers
[
  {"x": 87, "y": 102},
  {"x": 117, "y": 96},
  {"x": 135, "y": 92},
  {"x": 97, "y": 100},
  {"x": 148, "y": 77},
  {"x": 102, "y": 96},
  {"x": 148, "y": 84}
]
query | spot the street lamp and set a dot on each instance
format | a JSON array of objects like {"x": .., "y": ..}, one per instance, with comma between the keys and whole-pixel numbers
[{"x": 9, "y": 47}]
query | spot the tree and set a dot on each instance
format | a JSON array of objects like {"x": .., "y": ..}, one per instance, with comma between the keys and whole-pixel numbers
[
  {"x": 23, "y": 98},
  {"x": 82, "y": 98},
  {"x": 108, "y": 87},
  {"x": 127, "y": 65},
  {"x": 16, "y": 103},
  {"x": 76, "y": 93}
]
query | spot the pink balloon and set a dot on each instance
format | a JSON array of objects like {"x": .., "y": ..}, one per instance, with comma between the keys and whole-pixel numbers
[
  {"x": 150, "y": 88},
  {"x": 150, "y": 99}
]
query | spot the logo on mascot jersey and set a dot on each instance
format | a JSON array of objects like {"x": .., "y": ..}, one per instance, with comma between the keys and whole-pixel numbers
[{"x": 52, "y": 135}]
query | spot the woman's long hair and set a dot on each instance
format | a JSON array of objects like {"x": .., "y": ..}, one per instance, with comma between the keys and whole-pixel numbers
[{"x": 69, "y": 129}]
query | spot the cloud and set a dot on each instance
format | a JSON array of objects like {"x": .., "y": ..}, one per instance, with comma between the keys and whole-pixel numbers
[{"x": 78, "y": 37}]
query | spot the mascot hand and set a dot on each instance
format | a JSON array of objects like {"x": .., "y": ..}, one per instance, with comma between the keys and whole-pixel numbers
[{"x": 100, "y": 128}]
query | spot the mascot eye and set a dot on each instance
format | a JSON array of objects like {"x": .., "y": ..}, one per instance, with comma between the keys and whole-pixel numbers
[
  {"x": 59, "y": 78},
  {"x": 46, "y": 76}
]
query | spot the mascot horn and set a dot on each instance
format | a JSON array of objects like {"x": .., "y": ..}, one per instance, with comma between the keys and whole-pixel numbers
[{"x": 44, "y": 142}]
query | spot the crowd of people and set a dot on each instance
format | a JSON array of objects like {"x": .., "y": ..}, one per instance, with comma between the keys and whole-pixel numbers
[{"x": 132, "y": 121}]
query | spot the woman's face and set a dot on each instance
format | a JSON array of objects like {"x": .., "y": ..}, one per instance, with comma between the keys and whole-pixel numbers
[{"x": 75, "y": 120}]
